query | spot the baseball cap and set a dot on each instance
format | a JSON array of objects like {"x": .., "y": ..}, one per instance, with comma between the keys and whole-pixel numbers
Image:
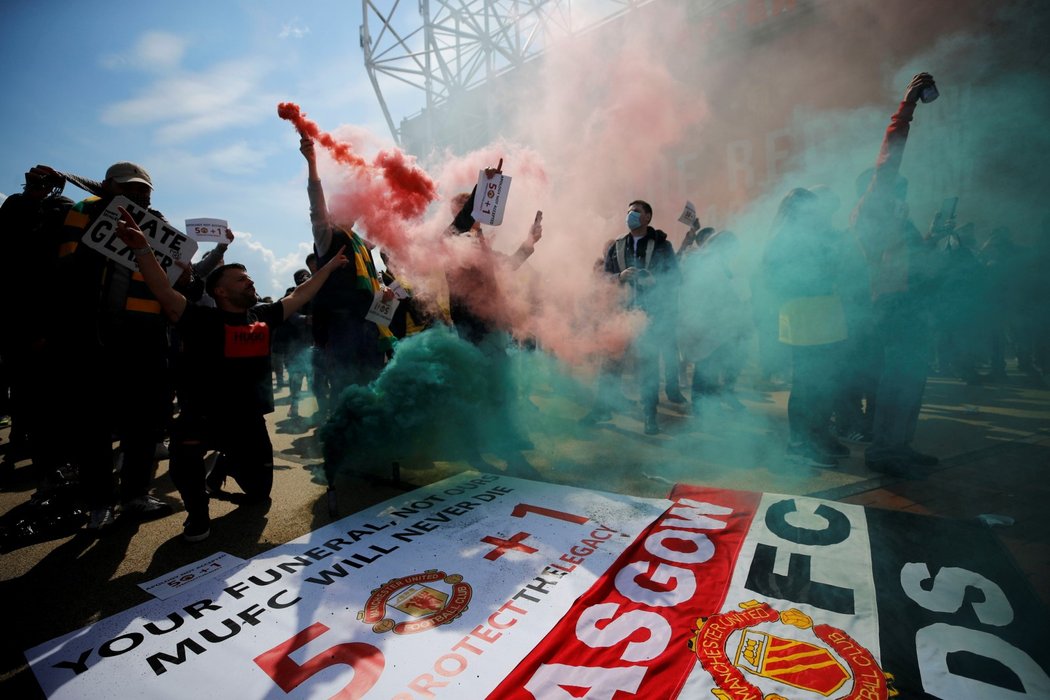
[{"x": 128, "y": 172}]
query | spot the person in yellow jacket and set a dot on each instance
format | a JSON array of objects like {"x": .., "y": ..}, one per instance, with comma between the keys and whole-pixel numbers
[{"x": 799, "y": 266}]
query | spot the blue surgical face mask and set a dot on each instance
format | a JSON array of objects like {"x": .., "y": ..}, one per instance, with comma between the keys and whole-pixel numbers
[{"x": 634, "y": 219}]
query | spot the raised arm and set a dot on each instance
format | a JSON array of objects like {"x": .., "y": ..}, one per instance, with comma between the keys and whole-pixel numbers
[
  {"x": 86, "y": 184},
  {"x": 888, "y": 164},
  {"x": 872, "y": 217},
  {"x": 213, "y": 258},
  {"x": 527, "y": 248},
  {"x": 318, "y": 208},
  {"x": 691, "y": 237},
  {"x": 464, "y": 219},
  {"x": 173, "y": 303},
  {"x": 306, "y": 291}
]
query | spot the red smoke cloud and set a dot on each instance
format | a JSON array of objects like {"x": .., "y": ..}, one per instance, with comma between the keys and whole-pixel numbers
[
  {"x": 403, "y": 193},
  {"x": 411, "y": 188},
  {"x": 554, "y": 299}
]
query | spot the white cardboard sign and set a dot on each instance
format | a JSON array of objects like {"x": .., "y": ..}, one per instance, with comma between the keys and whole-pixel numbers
[
  {"x": 490, "y": 200},
  {"x": 169, "y": 585},
  {"x": 399, "y": 291},
  {"x": 688, "y": 216},
  {"x": 168, "y": 243},
  {"x": 207, "y": 230},
  {"x": 381, "y": 312}
]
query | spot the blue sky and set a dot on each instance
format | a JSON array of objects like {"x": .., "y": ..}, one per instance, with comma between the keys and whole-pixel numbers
[{"x": 189, "y": 90}]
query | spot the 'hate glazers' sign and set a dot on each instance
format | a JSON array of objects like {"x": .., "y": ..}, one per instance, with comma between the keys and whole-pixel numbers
[{"x": 168, "y": 243}]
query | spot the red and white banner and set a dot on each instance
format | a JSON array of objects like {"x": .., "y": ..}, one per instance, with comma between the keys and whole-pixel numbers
[{"x": 489, "y": 586}]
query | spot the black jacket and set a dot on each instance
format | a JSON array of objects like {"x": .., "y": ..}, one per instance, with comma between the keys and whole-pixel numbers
[{"x": 656, "y": 256}]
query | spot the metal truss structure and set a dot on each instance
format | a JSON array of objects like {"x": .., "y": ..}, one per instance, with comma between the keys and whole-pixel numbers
[{"x": 444, "y": 48}]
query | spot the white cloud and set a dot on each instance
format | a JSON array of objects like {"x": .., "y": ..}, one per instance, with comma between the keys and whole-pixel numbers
[
  {"x": 235, "y": 159},
  {"x": 190, "y": 104},
  {"x": 154, "y": 52},
  {"x": 294, "y": 29},
  {"x": 161, "y": 50},
  {"x": 280, "y": 268}
]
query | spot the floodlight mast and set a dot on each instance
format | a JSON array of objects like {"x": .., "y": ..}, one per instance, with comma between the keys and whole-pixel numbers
[{"x": 444, "y": 48}]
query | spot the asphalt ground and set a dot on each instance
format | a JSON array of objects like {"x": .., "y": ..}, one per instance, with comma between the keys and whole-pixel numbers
[{"x": 993, "y": 441}]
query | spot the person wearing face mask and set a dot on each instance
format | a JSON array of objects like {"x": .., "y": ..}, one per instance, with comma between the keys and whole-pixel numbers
[
  {"x": 644, "y": 264},
  {"x": 109, "y": 326}
]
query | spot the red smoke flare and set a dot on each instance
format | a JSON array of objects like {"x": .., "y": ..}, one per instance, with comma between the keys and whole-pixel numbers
[
  {"x": 340, "y": 151},
  {"x": 410, "y": 188}
]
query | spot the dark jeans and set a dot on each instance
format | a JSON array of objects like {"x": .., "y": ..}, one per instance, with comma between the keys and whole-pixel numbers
[
  {"x": 122, "y": 390},
  {"x": 647, "y": 367},
  {"x": 861, "y": 365},
  {"x": 773, "y": 356},
  {"x": 351, "y": 355},
  {"x": 139, "y": 432},
  {"x": 665, "y": 332},
  {"x": 246, "y": 455},
  {"x": 35, "y": 384},
  {"x": 1015, "y": 331},
  {"x": 718, "y": 371},
  {"x": 901, "y": 333},
  {"x": 299, "y": 359},
  {"x": 813, "y": 384}
]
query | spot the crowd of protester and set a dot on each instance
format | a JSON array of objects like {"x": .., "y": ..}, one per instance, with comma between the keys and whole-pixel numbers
[
  {"x": 853, "y": 320},
  {"x": 97, "y": 353}
]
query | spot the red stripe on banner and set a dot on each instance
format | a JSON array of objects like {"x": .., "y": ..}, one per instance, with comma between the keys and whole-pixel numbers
[
  {"x": 700, "y": 493},
  {"x": 631, "y": 630}
]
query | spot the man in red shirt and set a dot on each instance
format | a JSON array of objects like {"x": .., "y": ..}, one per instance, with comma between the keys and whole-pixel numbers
[{"x": 225, "y": 387}]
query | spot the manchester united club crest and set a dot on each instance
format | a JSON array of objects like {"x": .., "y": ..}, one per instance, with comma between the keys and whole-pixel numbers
[
  {"x": 785, "y": 652},
  {"x": 416, "y": 603}
]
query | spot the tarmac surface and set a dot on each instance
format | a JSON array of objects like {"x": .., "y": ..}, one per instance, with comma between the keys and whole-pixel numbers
[{"x": 993, "y": 440}]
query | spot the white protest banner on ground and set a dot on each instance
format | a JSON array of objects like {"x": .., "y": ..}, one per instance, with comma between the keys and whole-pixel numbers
[
  {"x": 381, "y": 312},
  {"x": 490, "y": 199},
  {"x": 468, "y": 572},
  {"x": 688, "y": 216},
  {"x": 207, "y": 230},
  {"x": 168, "y": 243},
  {"x": 168, "y": 585},
  {"x": 495, "y": 587}
]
